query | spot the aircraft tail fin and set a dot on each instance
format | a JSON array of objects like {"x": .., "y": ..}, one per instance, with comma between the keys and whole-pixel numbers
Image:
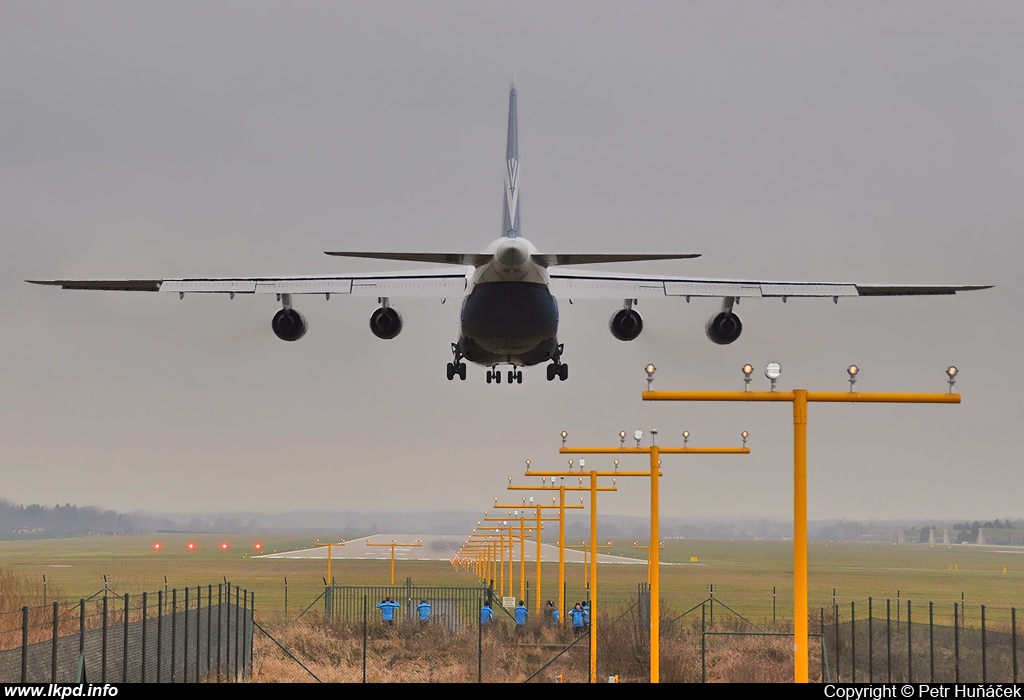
[{"x": 510, "y": 220}]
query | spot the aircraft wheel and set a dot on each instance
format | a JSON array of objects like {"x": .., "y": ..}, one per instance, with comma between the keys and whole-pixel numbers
[
  {"x": 497, "y": 376},
  {"x": 563, "y": 372},
  {"x": 519, "y": 377},
  {"x": 551, "y": 372},
  {"x": 462, "y": 371},
  {"x": 490, "y": 376},
  {"x": 451, "y": 371}
]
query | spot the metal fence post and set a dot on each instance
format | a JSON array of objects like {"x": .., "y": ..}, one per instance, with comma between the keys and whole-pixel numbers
[
  {"x": 984, "y": 648},
  {"x": 888, "y": 640},
  {"x": 835, "y": 625},
  {"x": 159, "y": 633},
  {"x": 103, "y": 667},
  {"x": 145, "y": 614},
  {"x": 703, "y": 648},
  {"x": 220, "y": 635},
  {"x": 931, "y": 641},
  {"x": 365, "y": 606},
  {"x": 124, "y": 654},
  {"x": 53, "y": 644},
  {"x": 956, "y": 641},
  {"x": 479, "y": 645},
  {"x": 1013, "y": 640},
  {"x": 81, "y": 636},
  {"x": 174, "y": 632},
  {"x": 184, "y": 650},
  {"x": 236, "y": 633},
  {"x": 821, "y": 628},
  {"x": 24, "y": 644},
  {"x": 871, "y": 642},
  {"x": 853, "y": 642},
  {"x": 910, "y": 649},
  {"x": 209, "y": 627}
]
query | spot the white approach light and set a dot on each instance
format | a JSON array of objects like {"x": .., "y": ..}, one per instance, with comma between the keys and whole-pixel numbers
[
  {"x": 650, "y": 369},
  {"x": 744, "y": 435},
  {"x": 638, "y": 435},
  {"x": 564, "y": 436},
  {"x": 951, "y": 372},
  {"x": 852, "y": 370},
  {"x": 622, "y": 438},
  {"x": 773, "y": 371},
  {"x": 686, "y": 437},
  {"x": 748, "y": 369}
]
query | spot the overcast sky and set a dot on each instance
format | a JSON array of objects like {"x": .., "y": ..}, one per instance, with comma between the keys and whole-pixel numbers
[{"x": 863, "y": 142}]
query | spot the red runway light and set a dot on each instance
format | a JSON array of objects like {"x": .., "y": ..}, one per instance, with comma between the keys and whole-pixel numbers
[
  {"x": 223, "y": 545},
  {"x": 258, "y": 546},
  {"x": 156, "y": 545},
  {"x": 191, "y": 546}
]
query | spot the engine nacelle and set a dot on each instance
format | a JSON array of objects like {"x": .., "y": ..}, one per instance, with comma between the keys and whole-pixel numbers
[
  {"x": 626, "y": 324},
  {"x": 289, "y": 324},
  {"x": 723, "y": 328},
  {"x": 386, "y": 323}
]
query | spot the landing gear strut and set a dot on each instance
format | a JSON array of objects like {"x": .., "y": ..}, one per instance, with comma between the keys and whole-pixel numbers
[
  {"x": 557, "y": 368},
  {"x": 457, "y": 367}
]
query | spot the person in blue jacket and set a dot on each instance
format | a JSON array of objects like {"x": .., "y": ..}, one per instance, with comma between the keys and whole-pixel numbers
[
  {"x": 486, "y": 614},
  {"x": 424, "y": 610},
  {"x": 576, "y": 615},
  {"x": 520, "y": 614},
  {"x": 387, "y": 609}
]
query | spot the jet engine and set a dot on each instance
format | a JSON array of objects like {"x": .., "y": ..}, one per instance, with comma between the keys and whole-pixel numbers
[
  {"x": 723, "y": 328},
  {"x": 289, "y": 324},
  {"x": 386, "y": 323},
  {"x": 626, "y": 324}
]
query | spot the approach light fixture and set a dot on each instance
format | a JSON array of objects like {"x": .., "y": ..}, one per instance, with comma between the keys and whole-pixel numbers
[
  {"x": 951, "y": 372},
  {"x": 748, "y": 369},
  {"x": 744, "y": 435},
  {"x": 622, "y": 438},
  {"x": 852, "y": 371},
  {"x": 773, "y": 371},
  {"x": 638, "y": 435},
  {"x": 654, "y": 432},
  {"x": 616, "y": 465},
  {"x": 564, "y": 436},
  {"x": 650, "y": 369},
  {"x": 527, "y": 465},
  {"x": 686, "y": 437},
  {"x": 583, "y": 463}
]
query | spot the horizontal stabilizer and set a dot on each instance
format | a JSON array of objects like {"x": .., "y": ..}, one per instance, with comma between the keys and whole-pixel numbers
[
  {"x": 442, "y": 258},
  {"x": 551, "y": 259}
]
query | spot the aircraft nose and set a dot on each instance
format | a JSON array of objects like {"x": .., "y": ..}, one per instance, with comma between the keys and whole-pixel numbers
[{"x": 511, "y": 252}]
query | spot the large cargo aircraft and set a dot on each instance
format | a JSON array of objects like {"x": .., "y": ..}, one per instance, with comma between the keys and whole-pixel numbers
[{"x": 509, "y": 292}]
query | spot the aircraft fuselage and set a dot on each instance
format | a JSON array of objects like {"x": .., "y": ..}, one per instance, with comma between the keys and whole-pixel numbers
[{"x": 508, "y": 314}]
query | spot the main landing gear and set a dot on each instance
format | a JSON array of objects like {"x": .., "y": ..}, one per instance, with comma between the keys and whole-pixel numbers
[
  {"x": 514, "y": 375},
  {"x": 457, "y": 367},
  {"x": 557, "y": 368}
]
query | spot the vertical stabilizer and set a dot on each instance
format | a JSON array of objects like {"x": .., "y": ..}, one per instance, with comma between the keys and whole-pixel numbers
[{"x": 510, "y": 223}]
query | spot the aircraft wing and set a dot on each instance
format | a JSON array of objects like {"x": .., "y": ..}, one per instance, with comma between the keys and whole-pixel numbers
[
  {"x": 436, "y": 283},
  {"x": 578, "y": 284}
]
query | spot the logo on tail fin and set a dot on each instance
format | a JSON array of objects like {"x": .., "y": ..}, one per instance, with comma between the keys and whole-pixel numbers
[{"x": 512, "y": 198}]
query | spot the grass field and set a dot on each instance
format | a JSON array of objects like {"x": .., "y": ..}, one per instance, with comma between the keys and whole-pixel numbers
[{"x": 743, "y": 573}]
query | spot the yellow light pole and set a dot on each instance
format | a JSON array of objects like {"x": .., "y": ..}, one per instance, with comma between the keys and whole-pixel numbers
[
  {"x": 561, "y": 489},
  {"x": 329, "y": 545},
  {"x": 500, "y": 559},
  {"x": 592, "y": 475},
  {"x": 506, "y": 527},
  {"x": 654, "y": 474},
  {"x": 394, "y": 544},
  {"x": 538, "y": 517},
  {"x": 800, "y": 398}
]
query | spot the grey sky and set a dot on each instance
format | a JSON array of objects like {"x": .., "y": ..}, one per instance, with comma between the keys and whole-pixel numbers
[{"x": 867, "y": 142}]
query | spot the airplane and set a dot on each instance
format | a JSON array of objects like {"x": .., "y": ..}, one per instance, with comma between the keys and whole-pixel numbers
[{"x": 509, "y": 292}]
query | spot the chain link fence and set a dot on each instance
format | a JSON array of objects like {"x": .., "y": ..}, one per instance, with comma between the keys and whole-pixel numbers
[{"x": 173, "y": 636}]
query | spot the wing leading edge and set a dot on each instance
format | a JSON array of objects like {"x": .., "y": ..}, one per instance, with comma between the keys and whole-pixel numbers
[
  {"x": 428, "y": 283},
  {"x": 594, "y": 285}
]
